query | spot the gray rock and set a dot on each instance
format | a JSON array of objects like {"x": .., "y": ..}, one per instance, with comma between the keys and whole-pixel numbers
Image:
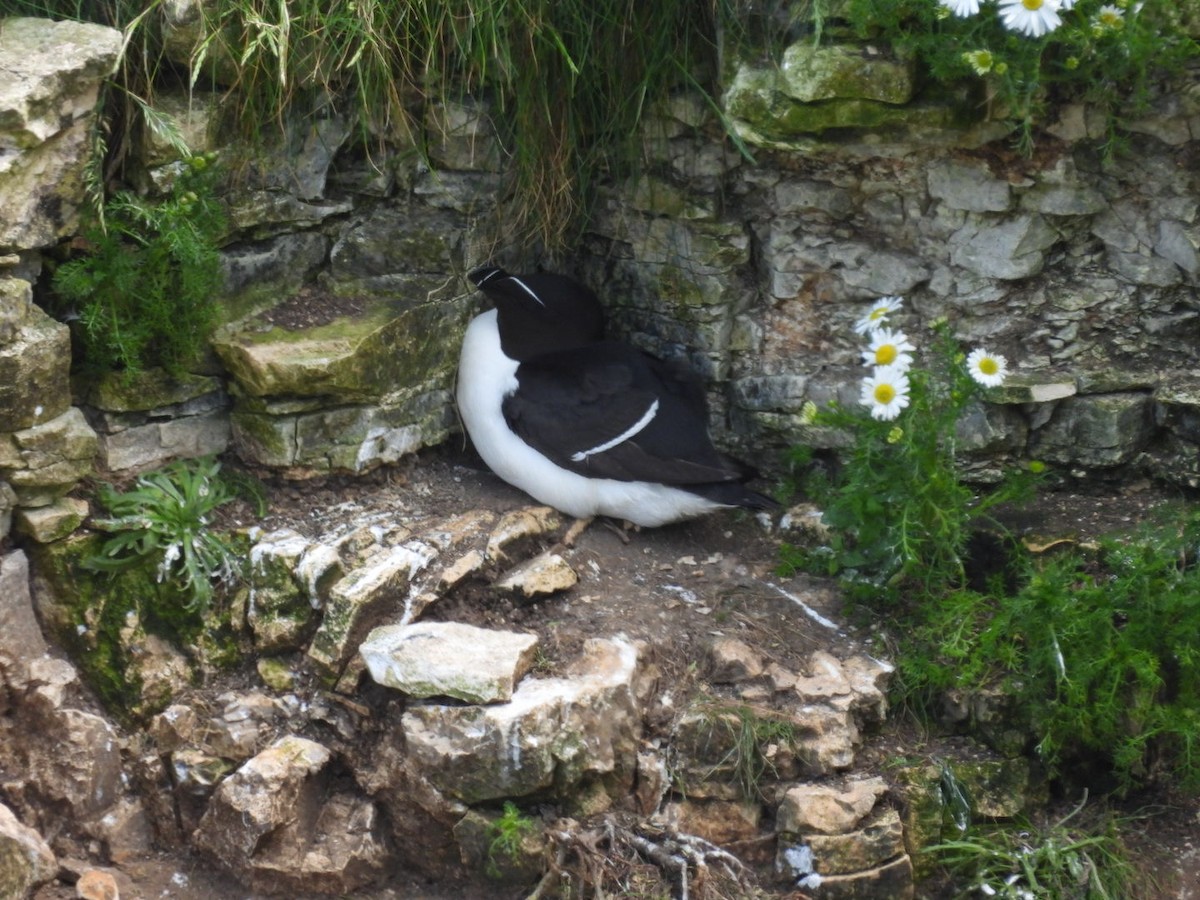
[
  {"x": 732, "y": 661},
  {"x": 1008, "y": 249},
  {"x": 449, "y": 659},
  {"x": 794, "y": 196},
  {"x": 53, "y": 71},
  {"x": 76, "y": 763},
  {"x": 462, "y": 136},
  {"x": 26, "y": 860},
  {"x": 51, "y": 458},
  {"x": 391, "y": 241},
  {"x": 968, "y": 187},
  {"x": 21, "y": 638},
  {"x": 545, "y": 574},
  {"x": 16, "y": 307},
  {"x": 552, "y": 733},
  {"x": 1175, "y": 244},
  {"x": 8, "y": 502},
  {"x": 279, "y": 609},
  {"x": 1063, "y": 200},
  {"x": 1096, "y": 430},
  {"x": 1178, "y": 409},
  {"x": 195, "y": 116},
  {"x": 151, "y": 446},
  {"x": 353, "y": 599},
  {"x": 278, "y": 265},
  {"x": 1142, "y": 268},
  {"x": 264, "y": 794},
  {"x": 34, "y": 372},
  {"x": 54, "y": 522},
  {"x": 874, "y": 844}
]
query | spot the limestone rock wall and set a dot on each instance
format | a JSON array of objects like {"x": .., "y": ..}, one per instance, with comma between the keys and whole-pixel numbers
[{"x": 345, "y": 299}]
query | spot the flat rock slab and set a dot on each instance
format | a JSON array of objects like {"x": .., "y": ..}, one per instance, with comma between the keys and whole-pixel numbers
[{"x": 449, "y": 659}]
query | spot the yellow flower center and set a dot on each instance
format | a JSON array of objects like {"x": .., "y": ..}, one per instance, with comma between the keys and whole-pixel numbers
[
  {"x": 988, "y": 366},
  {"x": 1032, "y": 4},
  {"x": 878, "y": 313},
  {"x": 884, "y": 394},
  {"x": 885, "y": 355}
]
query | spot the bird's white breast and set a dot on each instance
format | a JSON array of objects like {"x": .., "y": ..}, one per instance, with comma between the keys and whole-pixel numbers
[{"x": 485, "y": 377}]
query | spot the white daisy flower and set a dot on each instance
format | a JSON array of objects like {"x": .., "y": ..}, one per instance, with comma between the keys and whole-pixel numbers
[
  {"x": 878, "y": 314},
  {"x": 1033, "y": 17},
  {"x": 889, "y": 348},
  {"x": 961, "y": 8},
  {"x": 1110, "y": 18},
  {"x": 987, "y": 368},
  {"x": 885, "y": 391}
]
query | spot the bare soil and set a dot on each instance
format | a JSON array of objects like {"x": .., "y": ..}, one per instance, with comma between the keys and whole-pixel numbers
[{"x": 676, "y": 588}]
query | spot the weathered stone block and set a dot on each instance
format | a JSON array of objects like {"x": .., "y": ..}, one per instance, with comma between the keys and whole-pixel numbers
[
  {"x": 356, "y": 597},
  {"x": 828, "y": 809},
  {"x": 545, "y": 574},
  {"x": 1177, "y": 408},
  {"x": 812, "y": 72},
  {"x": 967, "y": 187},
  {"x": 34, "y": 373},
  {"x": 26, "y": 860},
  {"x": 52, "y": 458},
  {"x": 16, "y": 307},
  {"x": 449, "y": 659},
  {"x": 279, "y": 610},
  {"x": 1008, "y": 249},
  {"x": 552, "y": 733},
  {"x": 54, "y": 522},
  {"x": 53, "y": 71},
  {"x": 157, "y": 443},
  {"x": 1096, "y": 430},
  {"x": 865, "y": 848}
]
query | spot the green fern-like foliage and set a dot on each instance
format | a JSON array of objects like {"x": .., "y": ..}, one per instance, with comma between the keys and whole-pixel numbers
[{"x": 144, "y": 293}]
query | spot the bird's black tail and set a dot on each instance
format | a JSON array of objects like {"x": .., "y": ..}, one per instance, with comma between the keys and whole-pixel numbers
[{"x": 732, "y": 493}]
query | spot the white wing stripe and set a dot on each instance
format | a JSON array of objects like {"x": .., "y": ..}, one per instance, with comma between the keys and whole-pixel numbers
[
  {"x": 646, "y": 419},
  {"x": 527, "y": 289}
]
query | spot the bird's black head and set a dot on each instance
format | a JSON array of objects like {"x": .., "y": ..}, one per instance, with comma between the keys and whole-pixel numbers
[{"x": 540, "y": 313}]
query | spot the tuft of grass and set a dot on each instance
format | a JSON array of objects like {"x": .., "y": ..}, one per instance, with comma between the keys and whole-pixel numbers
[
  {"x": 1065, "y": 860},
  {"x": 569, "y": 80}
]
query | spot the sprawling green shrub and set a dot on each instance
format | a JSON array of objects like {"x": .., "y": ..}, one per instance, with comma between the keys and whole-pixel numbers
[
  {"x": 143, "y": 294},
  {"x": 1098, "y": 647}
]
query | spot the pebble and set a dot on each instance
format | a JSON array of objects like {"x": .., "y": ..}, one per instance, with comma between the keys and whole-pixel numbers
[{"x": 96, "y": 885}]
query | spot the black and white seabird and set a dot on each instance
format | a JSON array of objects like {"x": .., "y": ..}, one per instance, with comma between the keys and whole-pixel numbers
[{"x": 589, "y": 426}]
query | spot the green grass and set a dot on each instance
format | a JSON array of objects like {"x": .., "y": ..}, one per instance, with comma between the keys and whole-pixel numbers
[
  {"x": 1064, "y": 860},
  {"x": 568, "y": 81}
]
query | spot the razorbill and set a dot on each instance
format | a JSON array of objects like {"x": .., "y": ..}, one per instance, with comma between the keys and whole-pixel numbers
[{"x": 589, "y": 426}]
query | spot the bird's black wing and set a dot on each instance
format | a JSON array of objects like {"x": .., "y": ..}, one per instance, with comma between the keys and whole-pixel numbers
[{"x": 609, "y": 411}]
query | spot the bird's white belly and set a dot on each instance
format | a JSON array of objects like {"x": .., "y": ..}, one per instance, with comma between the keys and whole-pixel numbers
[{"x": 485, "y": 377}]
